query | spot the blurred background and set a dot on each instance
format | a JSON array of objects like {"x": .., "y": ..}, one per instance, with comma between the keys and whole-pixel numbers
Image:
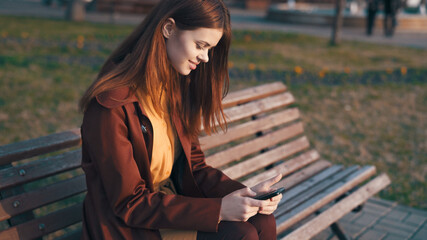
[{"x": 358, "y": 70}]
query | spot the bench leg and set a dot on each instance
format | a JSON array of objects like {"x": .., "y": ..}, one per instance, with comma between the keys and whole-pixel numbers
[
  {"x": 356, "y": 209},
  {"x": 335, "y": 227},
  {"x": 338, "y": 231}
]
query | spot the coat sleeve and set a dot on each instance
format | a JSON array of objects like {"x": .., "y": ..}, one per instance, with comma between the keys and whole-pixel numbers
[
  {"x": 211, "y": 181},
  {"x": 106, "y": 141}
]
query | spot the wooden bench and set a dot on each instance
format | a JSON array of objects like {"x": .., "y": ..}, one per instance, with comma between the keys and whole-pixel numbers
[
  {"x": 126, "y": 6},
  {"x": 42, "y": 185}
]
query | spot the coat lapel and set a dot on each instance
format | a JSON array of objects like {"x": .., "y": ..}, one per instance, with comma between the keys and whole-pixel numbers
[
  {"x": 189, "y": 186},
  {"x": 185, "y": 142},
  {"x": 142, "y": 154}
]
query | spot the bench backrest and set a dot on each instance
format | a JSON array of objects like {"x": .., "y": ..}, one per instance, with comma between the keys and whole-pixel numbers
[{"x": 42, "y": 185}]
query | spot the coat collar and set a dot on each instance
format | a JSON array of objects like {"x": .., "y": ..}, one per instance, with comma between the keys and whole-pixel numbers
[
  {"x": 121, "y": 96},
  {"x": 116, "y": 97}
]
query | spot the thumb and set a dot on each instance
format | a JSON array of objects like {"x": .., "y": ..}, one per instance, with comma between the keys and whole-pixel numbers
[
  {"x": 273, "y": 180},
  {"x": 277, "y": 178},
  {"x": 246, "y": 192}
]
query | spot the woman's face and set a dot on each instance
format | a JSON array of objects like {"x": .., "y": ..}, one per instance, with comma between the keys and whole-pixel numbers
[{"x": 187, "y": 48}]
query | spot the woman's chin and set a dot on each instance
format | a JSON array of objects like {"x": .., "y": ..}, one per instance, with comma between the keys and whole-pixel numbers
[{"x": 185, "y": 72}]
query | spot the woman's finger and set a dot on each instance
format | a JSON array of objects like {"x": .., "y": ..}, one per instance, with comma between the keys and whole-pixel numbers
[
  {"x": 276, "y": 198},
  {"x": 245, "y": 192},
  {"x": 256, "y": 203},
  {"x": 268, "y": 207},
  {"x": 265, "y": 186},
  {"x": 267, "y": 210},
  {"x": 273, "y": 180},
  {"x": 273, "y": 201},
  {"x": 269, "y": 203},
  {"x": 250, "y": 214}
]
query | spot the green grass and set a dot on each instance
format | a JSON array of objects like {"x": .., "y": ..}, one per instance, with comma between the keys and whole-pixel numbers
[
  {"x": 44, "y": 71},
  {"x": 383, "y": 125},
  {"x": 273, "y": 50}
]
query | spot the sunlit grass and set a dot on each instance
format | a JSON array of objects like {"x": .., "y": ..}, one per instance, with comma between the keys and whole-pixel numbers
[{"x": 383, "y": 125}]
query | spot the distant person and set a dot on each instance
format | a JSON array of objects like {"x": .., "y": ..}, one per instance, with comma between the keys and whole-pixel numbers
[
  {"x": 146, "y": 174},
  {"x": 371, "y": 14},
  {"x": 423, "y": 7},
  {"x": 391, "y": 7}
]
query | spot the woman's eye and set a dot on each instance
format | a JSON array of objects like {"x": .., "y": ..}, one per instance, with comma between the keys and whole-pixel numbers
[{"x": 198, "y": 46}]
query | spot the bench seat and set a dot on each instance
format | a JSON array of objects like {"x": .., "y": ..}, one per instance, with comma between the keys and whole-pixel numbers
[{"x": 41, "y": 180}]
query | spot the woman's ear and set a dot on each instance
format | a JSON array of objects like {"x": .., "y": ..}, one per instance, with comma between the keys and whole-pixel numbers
[{"x": 168, "y": 27}]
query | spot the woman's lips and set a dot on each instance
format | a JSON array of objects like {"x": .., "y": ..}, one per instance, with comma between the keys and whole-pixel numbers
[{"x": 193, "y": 65}]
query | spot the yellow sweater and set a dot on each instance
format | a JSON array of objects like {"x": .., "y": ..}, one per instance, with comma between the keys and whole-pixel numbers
[
  {"x": 166, "y": 148},
  {"x": 164, "y": 141}
]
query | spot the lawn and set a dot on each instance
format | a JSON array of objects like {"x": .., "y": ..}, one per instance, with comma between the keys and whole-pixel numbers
[{"x": 361, "y": 103}]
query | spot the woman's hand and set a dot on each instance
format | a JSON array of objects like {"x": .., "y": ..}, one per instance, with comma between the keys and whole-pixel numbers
[
  {"x": 263, "y": 187},
  {"x": 240, "y": 206},
  {"x": 271, "y": 205}
]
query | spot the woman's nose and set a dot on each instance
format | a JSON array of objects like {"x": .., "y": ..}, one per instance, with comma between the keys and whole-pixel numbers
[{"x": 204, "y": 57}]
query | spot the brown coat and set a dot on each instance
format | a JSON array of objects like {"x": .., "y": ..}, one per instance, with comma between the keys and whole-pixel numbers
[{"x": 120, "y": 203}]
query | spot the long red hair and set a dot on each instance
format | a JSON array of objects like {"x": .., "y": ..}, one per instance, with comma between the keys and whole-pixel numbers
[{"x": 141, "y": 63}]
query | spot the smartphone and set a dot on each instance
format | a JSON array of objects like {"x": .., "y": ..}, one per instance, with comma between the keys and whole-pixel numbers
[{"x": 271, "y": 194}]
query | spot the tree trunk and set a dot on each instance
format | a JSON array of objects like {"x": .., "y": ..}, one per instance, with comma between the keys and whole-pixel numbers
[
  {"x": 337, "y": 24},
  {"x": 75, "y": 10}
]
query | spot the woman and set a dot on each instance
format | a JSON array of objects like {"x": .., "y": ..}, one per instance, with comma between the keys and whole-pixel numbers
[{"x": 145, "y": 172}]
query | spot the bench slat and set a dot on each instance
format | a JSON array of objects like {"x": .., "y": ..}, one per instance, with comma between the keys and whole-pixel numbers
[
  {"x": 42, "y": 196},
  {"x": 326, "y": 218},
  {"x": 311, "y": 187},
  {"x": 248, "y": 128},
  {"x": 291, "y": 165},
  {"x": 33, "y": 147},
  {"x": 302, "y": 175},
  {"x": 318, "y": 176},
  {"x": 250, "y": 94},
  {"x": 76, "y": 234},
  {"x": 40, "y": 168},
  {"x": 302, "y": 211},
  {"x": 254, "y": 145},
  {"x": 257, "y": 107},
  {"x": 49, "y": 223},
  {"x": 325, "y": 188},
  {"x": 267, "y": 158}
]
